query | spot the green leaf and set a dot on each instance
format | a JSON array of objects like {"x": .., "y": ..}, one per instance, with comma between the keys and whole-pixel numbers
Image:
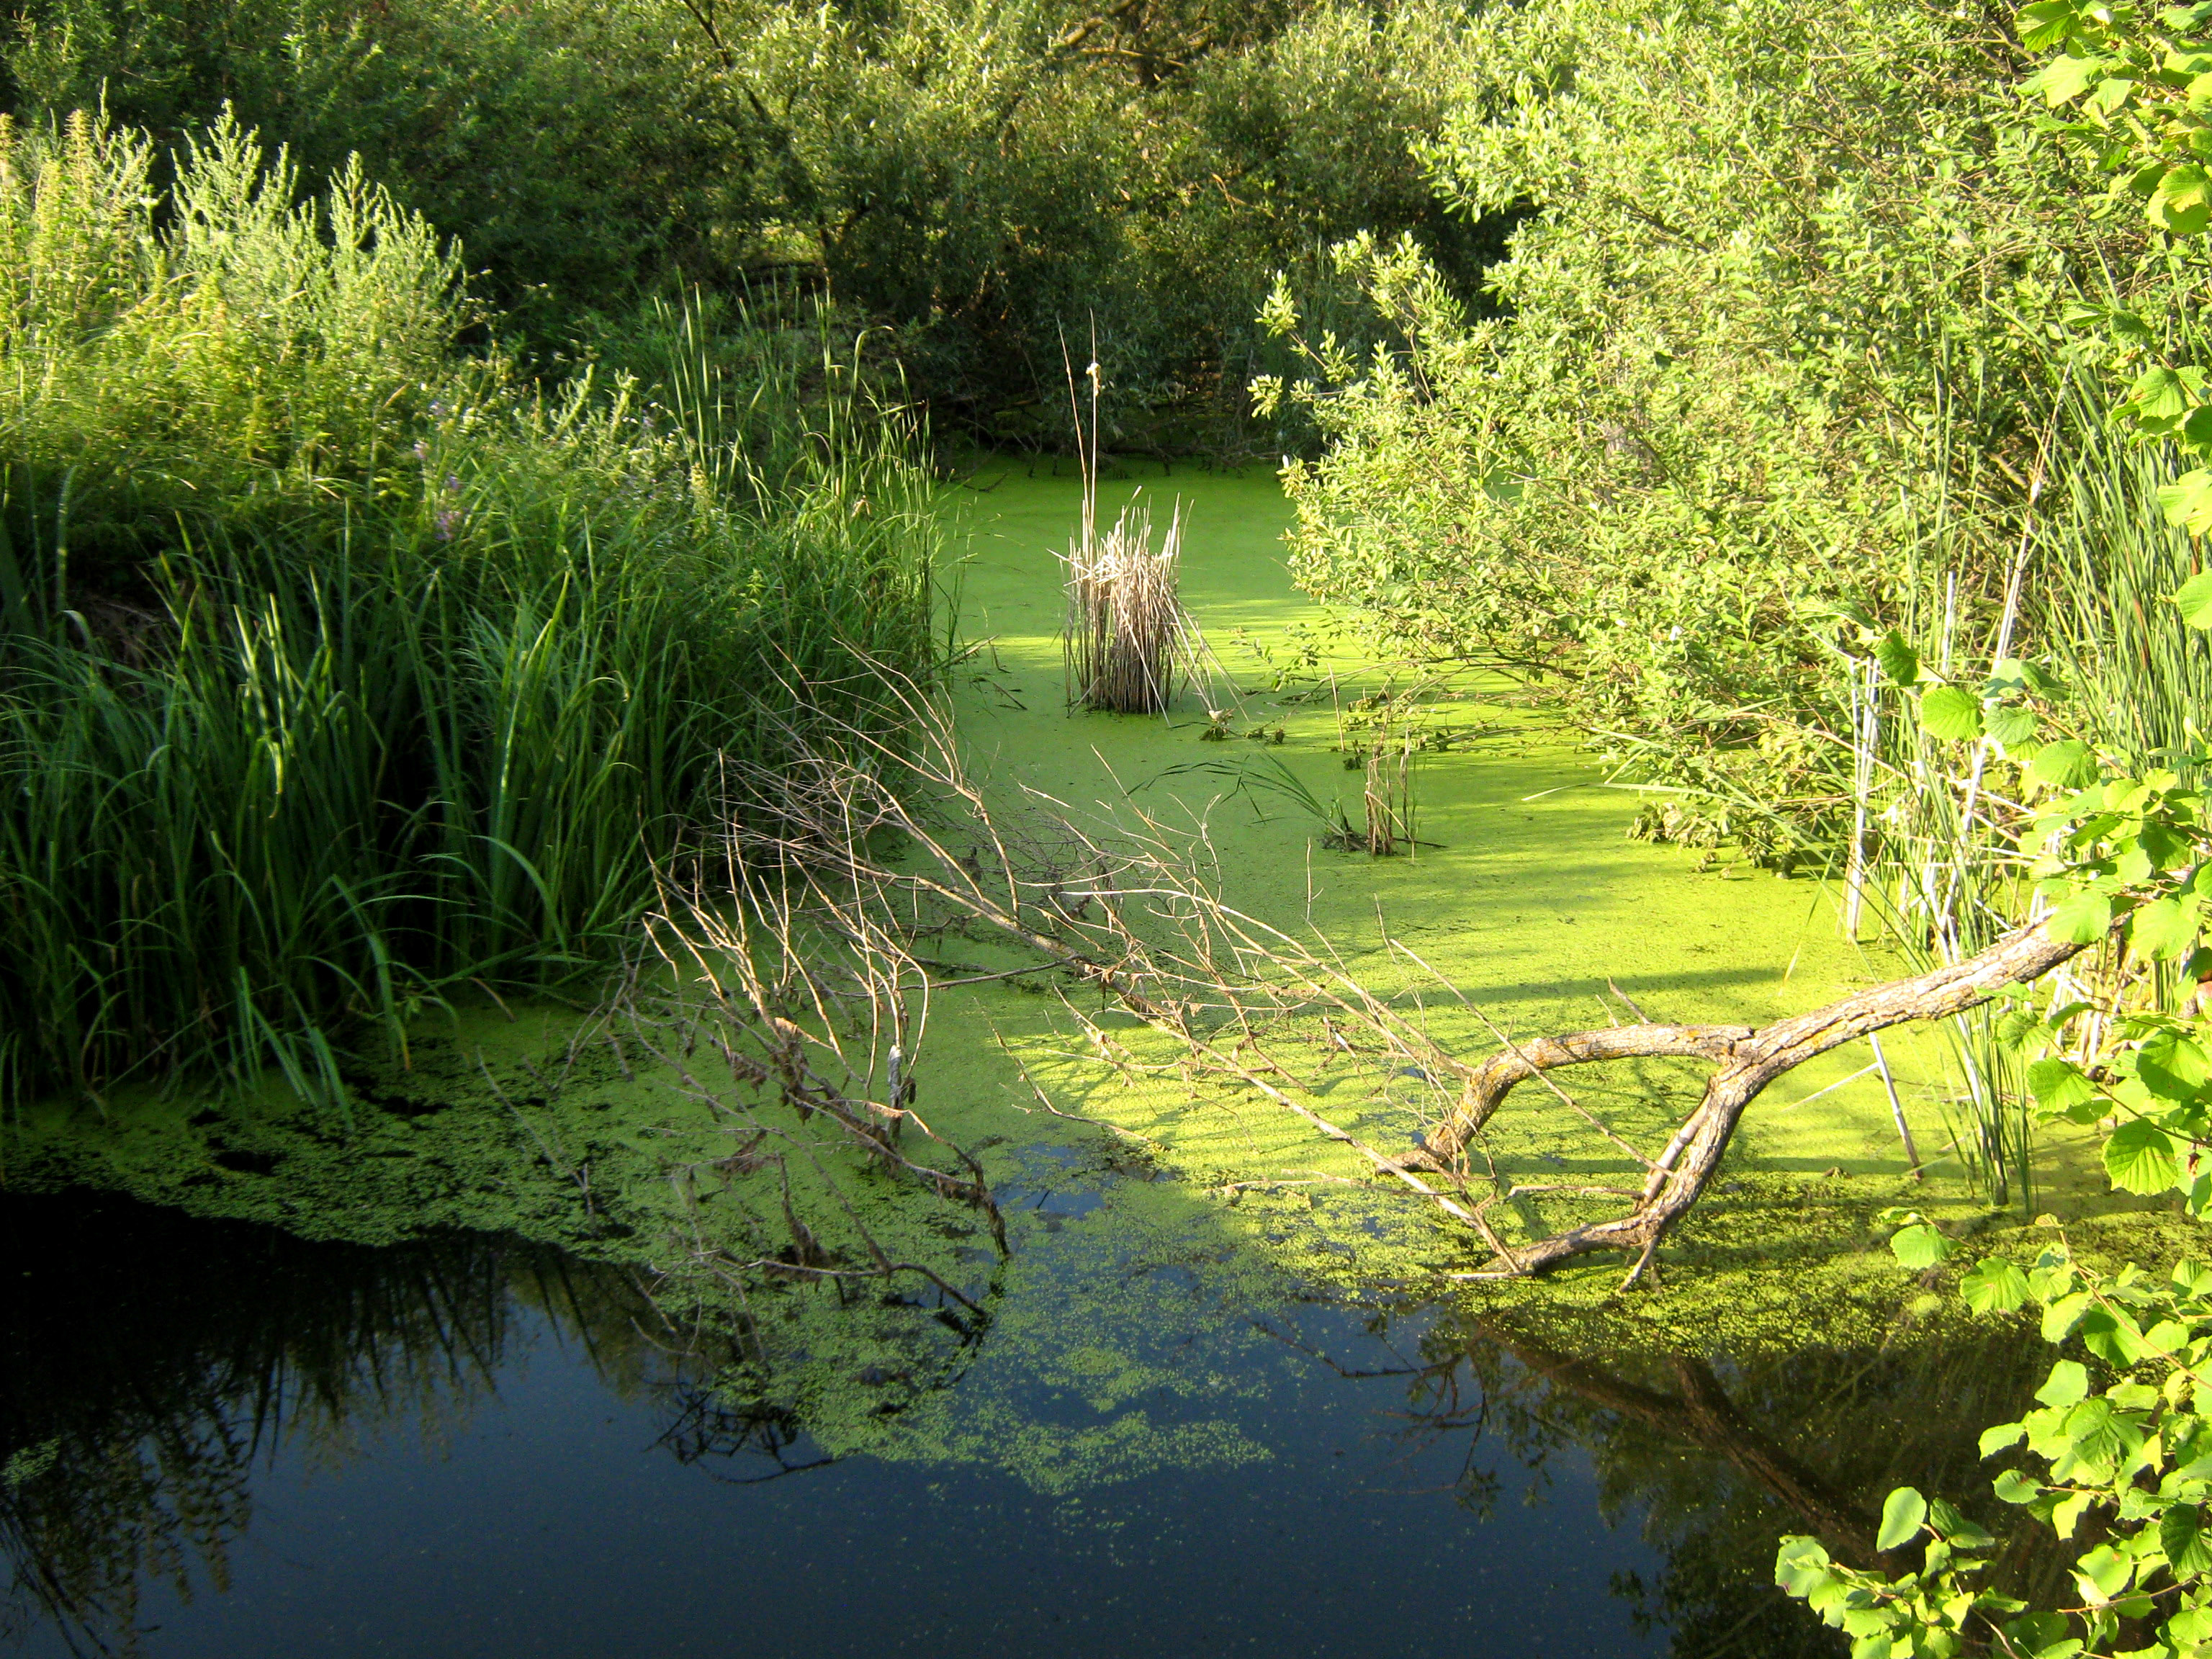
[
  {"x": 2014, "y": 1487},
  {"x": 2166, "y": 928},
  {"x": 2187, "y": 501},
  {"x": 2046, "y": 23},
  {"x": 2081, "y": 918},
  {"x": 1800, "y": 1565},
  {"x": 2141, "y": 1158},
  {"x": 2182, "y": 203},
  {"x": 1903, "y": 1514},
  {"x": 2063, "y": 79},
  {"x": 2194, "y": 598},
  {"x": 2113, "y": 1337},
  {"x": 2067, "y": 765},
  {"x": 2103, "y": 1573},
  {"x": 1920, "y": 1245},
  {"x": 1994, "y": 1284},
  {"x": 2011, "y": 725},
  {"x": 2068, "y": 1384},
  {"x": 2061, "y": 1315},
  {"x": 2058, "y": 1083},
  {"x": 2182, "y": 1536},
  {"x": 1947, "y": 712},
  {"x": 2068, "y": 1515},
  {"x": 1899, "y": 660}
]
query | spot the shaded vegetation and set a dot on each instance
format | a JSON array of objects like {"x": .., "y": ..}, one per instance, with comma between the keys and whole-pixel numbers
[{"x": 977, "y": 174}]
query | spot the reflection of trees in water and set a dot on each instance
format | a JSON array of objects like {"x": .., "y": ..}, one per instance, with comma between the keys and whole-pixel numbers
[
  {"x": 149, "y": 1360},
  {"x": 1720, "y": 1459}
]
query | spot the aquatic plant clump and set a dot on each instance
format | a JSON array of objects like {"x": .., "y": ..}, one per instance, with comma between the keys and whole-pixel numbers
[{"x": 1128, "y": 640}]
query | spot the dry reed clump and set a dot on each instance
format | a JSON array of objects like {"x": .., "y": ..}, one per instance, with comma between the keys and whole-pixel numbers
[{"x": 1128, "y": 641}]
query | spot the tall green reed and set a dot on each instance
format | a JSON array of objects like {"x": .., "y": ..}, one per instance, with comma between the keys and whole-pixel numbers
[
  {"x": 2085, "y": 593},
  {"x": 441, "y": 717}
]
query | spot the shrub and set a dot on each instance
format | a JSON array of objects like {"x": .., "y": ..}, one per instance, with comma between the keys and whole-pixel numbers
[
  {"x": 1774, "y": 357},
  {"x": 391, "y": 673}
]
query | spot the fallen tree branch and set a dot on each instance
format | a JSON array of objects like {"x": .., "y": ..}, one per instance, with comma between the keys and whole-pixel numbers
[
  {"x": 1746, "y": 1061},
  {"x": 887, "y": 845}
]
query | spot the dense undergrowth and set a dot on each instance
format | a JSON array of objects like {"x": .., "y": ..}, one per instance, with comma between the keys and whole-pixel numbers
[
  {"x": 977, "y": 175},
  {"x": 1781, "y": 363},
  {"x": 340, "y": 670}
]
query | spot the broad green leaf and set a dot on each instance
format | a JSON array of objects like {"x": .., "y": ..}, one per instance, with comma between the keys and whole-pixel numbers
[
  {"x": 2011, "y": 725},
  {"x": 2039, "y": 1635},
  {"x": 2182, "y": 1536},
  {"x": 2017, "y": 1028},
  {"x": 2172, "y": 1066},
  {"x": 2014, "y": 1487},
  {"x": 1800, "y": 1565},
  {"x": 2111, "y": 94},
  {"x": 2194, "y": 598},
  {"x": 2067, "y": 765},
  {"x": 2187, "y": 501},
  {"x": 2058, "y": 1083},
  {"x": 2068, "y": 1384},
  {"x": 1994, "y": 1284},
  {"x": 2140, "y": 1158},
  {"x": 2061, "y": 1315},
  {"x": 2046, "y": 23},
  {"x": 2166, "y": 1337},
  {"x": 2166, "y": 928},
  {"x": 2068, "y": 1515},
  {"x": 2111, "y": 1336},
  {"x": 2080, "y": 918},
  {"x": 1899, "y": 660},
  {"x": 1945, "y": 1521},
  {"x": 2103, "y": 1573},
  {"x": 1947, "y": 712},
  {"x": 1903, "y": 1514},
  {"x": 1920, "y": 1245},
  {"x": 2182, "y": 203},
  {"x": 2063, "y": 79}
]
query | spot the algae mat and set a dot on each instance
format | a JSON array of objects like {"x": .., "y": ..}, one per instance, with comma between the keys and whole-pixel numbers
[
  {"x": 1534, "y": 904},
  {"x": 1186, "y": 1271},
  {"x": 1184, "y": 1208}
]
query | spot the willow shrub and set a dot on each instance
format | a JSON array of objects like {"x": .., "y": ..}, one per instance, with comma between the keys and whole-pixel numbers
[
  {"x": 338, "y": 671},
  {"x": 1777, "y": 347}
]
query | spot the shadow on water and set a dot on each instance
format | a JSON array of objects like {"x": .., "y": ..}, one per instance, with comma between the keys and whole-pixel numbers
[{"x": 224, "y": 1438}]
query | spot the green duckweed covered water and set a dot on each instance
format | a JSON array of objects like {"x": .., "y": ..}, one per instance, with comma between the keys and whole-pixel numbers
[{"x": 1183, "y": 1208}]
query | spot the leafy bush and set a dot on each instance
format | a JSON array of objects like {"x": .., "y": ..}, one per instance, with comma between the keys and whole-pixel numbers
[
  {"x": 977, "y": 177},
  {"x": 339, "y": 671},
  {"x": 1776, "y": 357}
]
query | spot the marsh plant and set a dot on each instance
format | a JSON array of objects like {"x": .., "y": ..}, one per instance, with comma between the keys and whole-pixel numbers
[
  {"x": 1127, "y": 643},
  {"x": 342, "y": 673}
]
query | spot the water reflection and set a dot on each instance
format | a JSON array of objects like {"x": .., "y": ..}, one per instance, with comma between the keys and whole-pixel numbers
[
  {"x": 149, "y": 1360},
  {"x": 1720, "y": 1458},
  {"x": 154, "y": 1369}
]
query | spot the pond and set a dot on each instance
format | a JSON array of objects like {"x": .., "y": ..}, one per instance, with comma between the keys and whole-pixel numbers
[
  {"x": 489, "y": 1366},
  {"x": 465, "y": 1445}
]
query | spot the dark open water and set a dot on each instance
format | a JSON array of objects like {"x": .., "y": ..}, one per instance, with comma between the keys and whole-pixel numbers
[{"x": 256, "y": 1445}]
